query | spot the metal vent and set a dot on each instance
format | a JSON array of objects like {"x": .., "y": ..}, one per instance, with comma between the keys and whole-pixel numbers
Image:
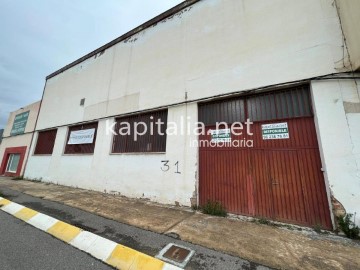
[
  {"x": 82, "y": 102},
  {"x": 176, "y": 254}
]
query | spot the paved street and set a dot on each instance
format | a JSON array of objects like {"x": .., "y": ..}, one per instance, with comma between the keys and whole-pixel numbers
[
  {"x": 148, "y": 227},
  {"x": 25, "y": 247},
  {"x": 142, "y": 240}
]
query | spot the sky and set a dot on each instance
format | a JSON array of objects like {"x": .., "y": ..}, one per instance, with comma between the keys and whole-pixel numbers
[{"x": 39, "y": 37}]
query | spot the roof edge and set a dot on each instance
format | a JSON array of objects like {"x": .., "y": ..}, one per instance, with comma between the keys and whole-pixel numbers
[{"x": 132, "y": 32}]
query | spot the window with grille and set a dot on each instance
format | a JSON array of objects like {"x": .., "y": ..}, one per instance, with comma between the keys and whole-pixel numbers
[
  {"x": 81, "y": 148},
  {"x": 45, "y": 142},
  {"x": 153, "y": 138}
]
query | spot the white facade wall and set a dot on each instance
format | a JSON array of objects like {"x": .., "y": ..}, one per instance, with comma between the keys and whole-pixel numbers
[
  {"x": 337, "y": 110},
  {"x": 213, "y": 48},
  {"x": 133, "y": 175}
]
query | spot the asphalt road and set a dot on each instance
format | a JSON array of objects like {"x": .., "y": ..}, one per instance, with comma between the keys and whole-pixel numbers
[
  {"x": 25, "y": 247},
  {"x": 24, "y": 237}
]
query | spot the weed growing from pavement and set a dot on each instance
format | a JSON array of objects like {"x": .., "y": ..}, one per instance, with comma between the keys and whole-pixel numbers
[
  {"x": 195, "y": 207},
  {"x": 18, "y": 178},
  {"x": 264, "y": 221},
  {"x": 317, "y": 228},
  {"x": 348, "y": 226},
  {"x": 214, "y": 208}
]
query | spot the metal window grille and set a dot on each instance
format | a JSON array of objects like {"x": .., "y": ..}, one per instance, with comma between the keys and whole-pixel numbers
[
  {"x": 81, "y": 148},
  {"x": 45, "y": 142},
  {"x": 153, "y": 140}
]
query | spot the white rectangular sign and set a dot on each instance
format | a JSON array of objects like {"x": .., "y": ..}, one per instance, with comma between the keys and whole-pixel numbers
[
  {"x": 275, "y": 131},
  {"x": 85, "y": 136},
  {"x": 220, "y": 135}
]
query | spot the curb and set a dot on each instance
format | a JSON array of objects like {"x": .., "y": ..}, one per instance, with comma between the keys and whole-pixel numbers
[{"x": 109, "y": 252}]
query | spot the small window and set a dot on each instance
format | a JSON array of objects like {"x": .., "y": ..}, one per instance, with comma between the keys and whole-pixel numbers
[
  {"x": 81, "y": 139},
  {"x": 45, "y": 142},
  {"x": 153, "y": 138},
  {"x": 13, "y": 163}
]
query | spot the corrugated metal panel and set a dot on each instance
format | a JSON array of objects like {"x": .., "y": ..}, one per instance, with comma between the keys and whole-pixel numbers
[
  {"x": 151, "y": 141},
  {"x": 282, "y": 104},
  {"x": 286, "y": 187},
  {"x": 229, "y": 111},
  {"x": 277, "y": 179}
]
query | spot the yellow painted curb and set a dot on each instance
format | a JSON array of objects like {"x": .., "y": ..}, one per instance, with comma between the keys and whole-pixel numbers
[
  {"x": 121, "y": 257},
  {"x": 126, "y": 258},
  {"x": 25, "y": 214},
  {"x": 4, "y": 202},
  {"x": 64, "y": 231}
]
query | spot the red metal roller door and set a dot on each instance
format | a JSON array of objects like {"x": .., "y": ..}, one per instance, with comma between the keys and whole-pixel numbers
[{"x": 277, "y": 179}]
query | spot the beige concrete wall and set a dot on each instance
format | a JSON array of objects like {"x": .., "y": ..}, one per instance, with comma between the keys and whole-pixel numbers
[
  {"x": 23, "y": 139},
  {"x": 349, "y": 11},
  {"x": 30, "y": 125},
  {"x": 16, "y": 141}
]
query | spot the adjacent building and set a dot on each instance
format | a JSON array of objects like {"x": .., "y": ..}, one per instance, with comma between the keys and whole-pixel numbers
[
  {"x": 17, "y": 138},
  {"x": 285, "y": 72}
]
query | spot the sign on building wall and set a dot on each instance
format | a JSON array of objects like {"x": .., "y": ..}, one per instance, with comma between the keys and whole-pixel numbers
[
  {"x": 82, "y": 136},
  {"x": 275, "y": 131},
  {"x": 19, "y": 123},
  {"x": 220, "y": 135}
]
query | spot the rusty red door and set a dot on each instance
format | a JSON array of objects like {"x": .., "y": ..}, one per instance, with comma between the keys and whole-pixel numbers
[
  {"x": 286, "y": 187},
  {"x": 279, "y": 179}
]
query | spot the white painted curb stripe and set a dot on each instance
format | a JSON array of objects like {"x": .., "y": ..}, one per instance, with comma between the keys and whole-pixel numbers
[
  {"x": 97, "y": 246},
  {"x": 12, "y": 208},
  {"x": 83, "y": 241},
  {"x": 170, "y": 267},
  {"x": 42, "y": 222}
]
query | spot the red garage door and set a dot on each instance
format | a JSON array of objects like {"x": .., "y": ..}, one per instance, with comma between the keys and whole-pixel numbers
[{"x": 275, "y": 172}]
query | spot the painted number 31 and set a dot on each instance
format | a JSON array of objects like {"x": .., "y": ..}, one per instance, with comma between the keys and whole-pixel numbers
[{"x": 166, "y": 167}]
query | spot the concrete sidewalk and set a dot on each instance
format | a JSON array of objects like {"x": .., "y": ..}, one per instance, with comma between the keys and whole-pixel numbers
[{"x": 277, "y": 247}]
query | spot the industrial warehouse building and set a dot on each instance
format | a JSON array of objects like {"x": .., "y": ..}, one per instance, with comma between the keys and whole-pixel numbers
[{"x": 285, "y": 70}]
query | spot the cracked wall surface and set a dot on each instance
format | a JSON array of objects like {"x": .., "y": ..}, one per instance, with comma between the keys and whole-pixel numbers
[
  {"x": 337, "y": 117},
  {"x": 349, "y": 11}
]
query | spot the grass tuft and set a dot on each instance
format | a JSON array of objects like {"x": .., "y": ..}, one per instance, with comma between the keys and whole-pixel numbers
[
  {"x": 214, "y": 208},
  {"x": 348, "y": 226}
]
